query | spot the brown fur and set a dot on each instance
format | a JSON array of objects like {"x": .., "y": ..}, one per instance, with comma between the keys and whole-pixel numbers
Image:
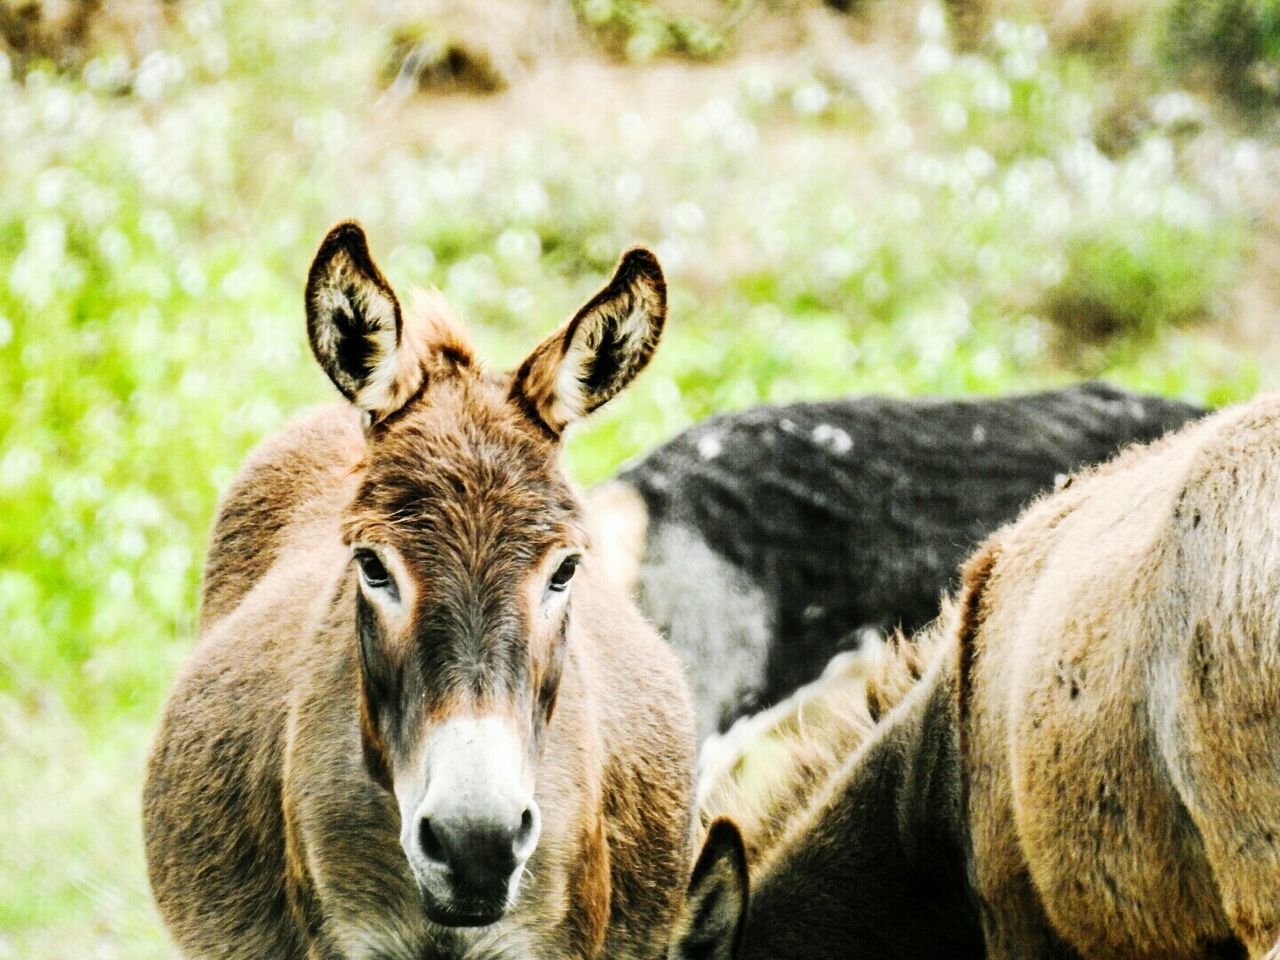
[
  {"x": 270, "y": 826},
  {"x": 1123, "y": 741},
  {"x": 1090, "y": 767}
]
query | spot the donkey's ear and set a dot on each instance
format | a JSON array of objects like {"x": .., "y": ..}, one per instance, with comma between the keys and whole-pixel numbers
[
  {"x": 597, "y": 353},
  {"x": 715, "y": 911},
  {"x": 355, "y": 327}
]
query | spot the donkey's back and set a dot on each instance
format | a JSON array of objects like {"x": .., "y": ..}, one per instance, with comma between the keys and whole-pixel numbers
[{"x": 296, "y": 479}]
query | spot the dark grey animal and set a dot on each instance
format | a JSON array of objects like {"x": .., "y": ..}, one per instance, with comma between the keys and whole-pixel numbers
[{"x": 764, "y": 542}]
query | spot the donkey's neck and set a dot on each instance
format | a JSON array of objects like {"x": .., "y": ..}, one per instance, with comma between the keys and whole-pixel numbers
[{"x": 878, "y": 869}]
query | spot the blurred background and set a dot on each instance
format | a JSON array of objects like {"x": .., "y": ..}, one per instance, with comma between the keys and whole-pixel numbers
[{"x": 861, "y": 195}]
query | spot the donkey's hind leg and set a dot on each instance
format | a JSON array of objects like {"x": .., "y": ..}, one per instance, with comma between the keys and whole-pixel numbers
[
  {"x": 1226, "y": 765},
  {"x": 1241, "y": 834}
]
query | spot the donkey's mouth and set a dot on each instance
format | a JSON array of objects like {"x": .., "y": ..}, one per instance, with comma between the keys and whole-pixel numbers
[
  {"x": 448, "y": 906},
  {"x": 469, "y": 913}
]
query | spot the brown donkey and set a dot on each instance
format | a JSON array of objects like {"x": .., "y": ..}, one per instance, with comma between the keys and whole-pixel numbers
[
  {"x": 418, "y": 723},
  {"x": 1090, "y": 766}
]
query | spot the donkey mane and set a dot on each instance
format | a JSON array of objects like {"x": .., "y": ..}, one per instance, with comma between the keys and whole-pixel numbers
[{"x": 764, "y": 772}]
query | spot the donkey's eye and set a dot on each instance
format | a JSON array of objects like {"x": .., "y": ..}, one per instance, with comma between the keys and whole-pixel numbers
[
  {"x": 372, "y": 569},
  {"x": 564, "y": 573}
]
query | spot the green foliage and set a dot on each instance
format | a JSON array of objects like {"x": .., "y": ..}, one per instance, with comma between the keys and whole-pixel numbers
[
  {"x": 1239, "y": 40},
  {"x": 643, "y": 30},
  {"x": 1139, "y": 278}
]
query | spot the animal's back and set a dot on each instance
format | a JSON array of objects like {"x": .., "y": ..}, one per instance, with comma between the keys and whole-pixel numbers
[
  {"x": 296, "y": 477},
  {"x": 1125, "y": 771},
  {"x": 804, "y": 525}
]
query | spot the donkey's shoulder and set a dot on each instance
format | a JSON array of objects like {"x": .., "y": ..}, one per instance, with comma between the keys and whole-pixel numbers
[{"x": 297, "y": 475}]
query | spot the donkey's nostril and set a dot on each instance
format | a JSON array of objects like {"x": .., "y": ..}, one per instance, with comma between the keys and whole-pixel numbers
[
  {"x": 526, "y": 826},
  {"x": 526, "y": 837},
  {"x": 430, "y": 843}
]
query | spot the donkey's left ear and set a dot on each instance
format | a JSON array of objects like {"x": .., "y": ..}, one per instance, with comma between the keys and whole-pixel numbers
[
  {"x": 589, "y": 360},
  {"x": 355, "y": 327}
]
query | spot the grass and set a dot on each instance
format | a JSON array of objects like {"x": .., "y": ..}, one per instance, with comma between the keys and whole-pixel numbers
[{"x": 944, "y": 224}]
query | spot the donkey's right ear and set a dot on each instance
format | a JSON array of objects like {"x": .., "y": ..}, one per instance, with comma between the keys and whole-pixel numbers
[
  {"x": 715, "y": 911},
  {"x": 355, "y": 327},
  {"x": 595, "y": 355}
]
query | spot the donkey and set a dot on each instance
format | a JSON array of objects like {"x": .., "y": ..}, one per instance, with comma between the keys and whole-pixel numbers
[
  {"x": 812, "y": 525},
  {"x": 419, "y": 723},
  {"x": 1089, "y": 766}
]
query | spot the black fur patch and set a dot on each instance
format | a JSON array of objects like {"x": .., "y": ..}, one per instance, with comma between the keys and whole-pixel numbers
[
  {"x": 379, "y": 671},
  {"x": 856, "y": 513},
  {"x": 609, "y": 359},
  {"x": 355, "y": 348},
  {"x": 614, "y": 362},
  {"x": 721, "y": 851},
  {"x": 342, "y": 338},
  {"x": 1229, "y": 949}
]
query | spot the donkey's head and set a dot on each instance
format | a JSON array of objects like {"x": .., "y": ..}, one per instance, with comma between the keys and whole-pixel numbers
[{"x": 464, "y": 539}]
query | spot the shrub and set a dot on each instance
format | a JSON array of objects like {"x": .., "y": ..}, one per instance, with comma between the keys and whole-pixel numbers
[
  {"x": 1238, "y": 41},
  {"x": 1135, "y": 280},
  {"x": 641, "y": 30},
  {"x": 66, "y": 33}
]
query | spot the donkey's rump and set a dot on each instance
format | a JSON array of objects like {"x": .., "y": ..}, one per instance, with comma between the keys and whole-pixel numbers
[{"x": 1124, "y": 790}]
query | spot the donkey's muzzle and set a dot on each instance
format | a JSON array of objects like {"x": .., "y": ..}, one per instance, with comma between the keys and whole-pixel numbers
[
  {"x": 476, "y": 825},
  {"x": 473, "y": 863}
]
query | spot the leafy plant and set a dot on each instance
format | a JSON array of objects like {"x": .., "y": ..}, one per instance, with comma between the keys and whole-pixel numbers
[
  {"x": 1237, "y": 40},
  {"x": 643, "y": 30}
]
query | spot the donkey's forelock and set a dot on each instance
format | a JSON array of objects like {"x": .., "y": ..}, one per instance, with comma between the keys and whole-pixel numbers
[{"x": 462, "y": 461}]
